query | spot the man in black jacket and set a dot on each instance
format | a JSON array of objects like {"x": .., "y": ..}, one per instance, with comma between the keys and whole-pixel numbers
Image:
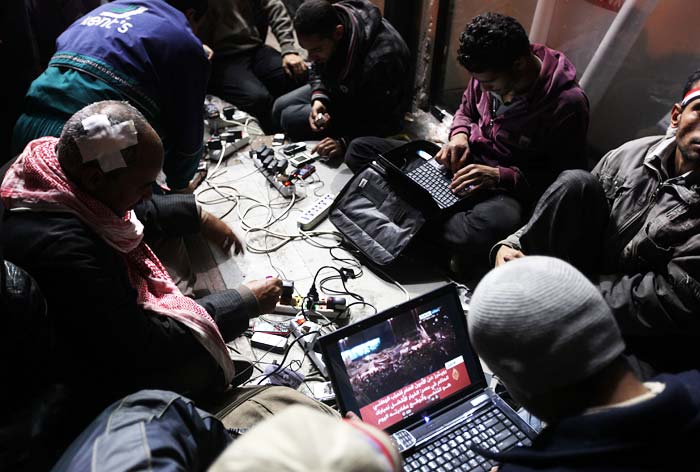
[
  {"x": 119, "y": 322},
  {"x": 359, "y": 78},
  {"x": 632, "y": 227}
]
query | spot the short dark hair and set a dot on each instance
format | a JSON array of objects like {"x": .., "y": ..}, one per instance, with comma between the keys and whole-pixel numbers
[
  {"x": 492, "y": 41},
  {"x": 692, "y": 79},
  {"x": 316, "y": 17},
  {"x": 199, "y": 6}
]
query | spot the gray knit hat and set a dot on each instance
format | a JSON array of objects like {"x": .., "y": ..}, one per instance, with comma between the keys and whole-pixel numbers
[{"x": 539, "y": 324}]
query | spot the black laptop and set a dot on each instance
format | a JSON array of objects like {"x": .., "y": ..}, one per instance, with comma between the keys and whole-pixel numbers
[
  {"x": 411, "y": 371},
  {"x": 415, "y": 164}
]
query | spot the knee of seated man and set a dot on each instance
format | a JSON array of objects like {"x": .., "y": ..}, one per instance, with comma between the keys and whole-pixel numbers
[
  {"x": 258, "y": 102},
  {"x": 278, "y": 107},
  {"x": 577, "y": 177},
  {"x": 355, "y": 155}
]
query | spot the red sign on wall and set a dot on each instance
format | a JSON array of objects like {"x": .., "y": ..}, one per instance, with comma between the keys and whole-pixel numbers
[{"x": 612, "y": 5}]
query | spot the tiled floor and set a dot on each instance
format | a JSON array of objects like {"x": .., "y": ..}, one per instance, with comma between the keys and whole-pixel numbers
[{"x": 239, "y": 191}]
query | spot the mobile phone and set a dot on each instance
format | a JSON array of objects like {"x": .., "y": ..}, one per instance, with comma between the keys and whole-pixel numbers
[
  {"x": 320, "y": 120},
  {"x": 322, "y": 391},
  {"x": 278, "y": 139},
  {"x": 302, "y": 158},
  {"x": 294, "y": 148}
]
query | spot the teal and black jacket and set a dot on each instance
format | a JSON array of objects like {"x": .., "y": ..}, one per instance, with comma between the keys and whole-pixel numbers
[{"x": 141, "y": 51}]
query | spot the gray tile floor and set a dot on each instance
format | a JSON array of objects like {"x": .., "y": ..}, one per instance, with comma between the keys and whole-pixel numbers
[{"x": 241, "y": 193}]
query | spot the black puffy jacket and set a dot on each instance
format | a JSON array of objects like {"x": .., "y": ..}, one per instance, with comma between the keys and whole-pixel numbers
[{"x": 30, "y": 401}]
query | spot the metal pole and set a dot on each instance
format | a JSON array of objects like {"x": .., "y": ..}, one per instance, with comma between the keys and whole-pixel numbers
[
  {"x": 539, "y": 30},
  {"x": 614, "y": 47}
]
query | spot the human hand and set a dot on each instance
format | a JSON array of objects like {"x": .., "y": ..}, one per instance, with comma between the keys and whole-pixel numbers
[
  {"x": 474, "y": 177},
  {"x": 219, "y": 233},
  {"x": 329, "y": 147},
  {"x": 267, "y": 292},
  {"x": 454, "y": 154},
  {"x": 208, "y": 51},
  {"x": 293, "y": 65},
  {"x": 507, "y": 254},
  {"x": 318, "y": 109}
]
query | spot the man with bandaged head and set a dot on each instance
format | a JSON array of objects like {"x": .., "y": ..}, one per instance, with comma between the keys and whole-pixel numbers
[{"x": 78, "y": 217}]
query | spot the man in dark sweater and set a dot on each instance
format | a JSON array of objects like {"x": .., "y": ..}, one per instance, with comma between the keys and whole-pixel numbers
[
  {"x": 359, "y": 78},
  {"x": 547, "y": 333},
  {"x": 119, "y": 322},
  {"x": 523, "y": 119},
  {"x": 245, "y": 71}
]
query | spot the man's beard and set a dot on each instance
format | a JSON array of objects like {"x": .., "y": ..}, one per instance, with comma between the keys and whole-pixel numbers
[{"x": 689, "y": 154}]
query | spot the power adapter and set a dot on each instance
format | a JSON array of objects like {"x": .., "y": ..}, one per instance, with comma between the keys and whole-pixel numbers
[{"x": 346, "y": 273}]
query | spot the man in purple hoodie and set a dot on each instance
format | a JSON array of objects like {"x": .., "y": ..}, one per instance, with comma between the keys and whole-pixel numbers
[{"x": 523, "y": 119}]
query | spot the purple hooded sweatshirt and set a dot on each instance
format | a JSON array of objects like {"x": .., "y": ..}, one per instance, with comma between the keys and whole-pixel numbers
[{"x": 535, "y": 139}]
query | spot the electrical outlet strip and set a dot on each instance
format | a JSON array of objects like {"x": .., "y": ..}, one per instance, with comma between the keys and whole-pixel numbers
[
  {"x": 286, "y": 190},
  {"x": 308, "y": 342},
  {"x": 316, "y": 213}
]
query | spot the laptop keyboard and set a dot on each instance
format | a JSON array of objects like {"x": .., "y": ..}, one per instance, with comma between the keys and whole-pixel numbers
[
  {"x": 492, "y": 430},
  {"x": 436, "y": 182}
]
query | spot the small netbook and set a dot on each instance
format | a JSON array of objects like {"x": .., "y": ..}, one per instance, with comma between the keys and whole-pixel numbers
[
  {"x": 411, "y": 371},
  {"x": 415, "y": 164}
]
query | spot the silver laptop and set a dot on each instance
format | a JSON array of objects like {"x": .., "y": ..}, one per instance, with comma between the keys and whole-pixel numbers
[{"x": 412, "y": 372}]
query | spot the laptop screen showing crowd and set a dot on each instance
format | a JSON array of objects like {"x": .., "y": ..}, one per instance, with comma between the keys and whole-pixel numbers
[{"x": 411, "y": 370}]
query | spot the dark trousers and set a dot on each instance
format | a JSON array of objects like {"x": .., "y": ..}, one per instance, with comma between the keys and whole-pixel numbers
[
  {"x": 251, "y": 81},
  {"x": 569, "y": 222},
  {"x": 470, "y": 233},
  {"x": 291, "y": 112}
]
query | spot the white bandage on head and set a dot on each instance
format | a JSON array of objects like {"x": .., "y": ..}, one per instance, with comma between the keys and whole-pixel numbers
[{"x": 104, "y": 141}]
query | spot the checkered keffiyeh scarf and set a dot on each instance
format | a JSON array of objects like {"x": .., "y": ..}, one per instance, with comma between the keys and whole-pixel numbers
[{"x": 36, "y": 182}]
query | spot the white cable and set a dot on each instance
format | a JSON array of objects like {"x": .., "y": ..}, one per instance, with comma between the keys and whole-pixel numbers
[
  {"x": 221, "y": 156},
  {"x": 393, "y": 281},
  {"x": 287, "y": 238}
]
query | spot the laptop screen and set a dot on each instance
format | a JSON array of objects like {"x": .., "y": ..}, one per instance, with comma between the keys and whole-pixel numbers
[{"x": 402, "y": 365}]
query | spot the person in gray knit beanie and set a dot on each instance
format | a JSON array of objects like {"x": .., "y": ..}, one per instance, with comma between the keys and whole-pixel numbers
[{"x": 544, "y": 329}]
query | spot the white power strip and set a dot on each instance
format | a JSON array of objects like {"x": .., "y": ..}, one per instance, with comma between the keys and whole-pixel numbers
[{"x": 316, "y": 213}]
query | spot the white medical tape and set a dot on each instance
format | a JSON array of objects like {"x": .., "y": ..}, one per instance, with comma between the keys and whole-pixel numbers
[{"x": 104, "y": 141}]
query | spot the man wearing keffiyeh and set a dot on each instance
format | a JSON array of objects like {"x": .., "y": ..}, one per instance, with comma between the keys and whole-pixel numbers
[{"x": 78, "y": 214}]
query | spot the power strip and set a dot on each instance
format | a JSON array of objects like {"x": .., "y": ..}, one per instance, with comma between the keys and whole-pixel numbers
[
  {"x": 309, "y": 342},
  {"x": 316, "y": 213},
  {"x": 287, "y": 191}
]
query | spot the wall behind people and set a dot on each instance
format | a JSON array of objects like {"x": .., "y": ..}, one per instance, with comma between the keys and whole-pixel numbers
[
  {"x": 456, "y": 77},
  {"x": 17, "y": 47},
  {"x": 644, "y": 68}
]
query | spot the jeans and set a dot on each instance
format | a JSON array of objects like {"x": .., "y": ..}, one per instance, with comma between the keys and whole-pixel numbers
[
  {"x": 291, "y": 112},
  {"x": 251, "y": 81},
  {"x": 569, "y": 222}
]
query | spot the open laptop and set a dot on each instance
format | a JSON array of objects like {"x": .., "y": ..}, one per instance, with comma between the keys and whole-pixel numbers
[
  {"x": 415, "y": 163},
  {"x": 412, "y": 372}
]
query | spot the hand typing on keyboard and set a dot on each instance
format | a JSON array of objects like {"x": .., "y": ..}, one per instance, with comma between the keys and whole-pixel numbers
[
  {"x": 474, "y": 177},
  {"x": 455, "y": 153}
]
